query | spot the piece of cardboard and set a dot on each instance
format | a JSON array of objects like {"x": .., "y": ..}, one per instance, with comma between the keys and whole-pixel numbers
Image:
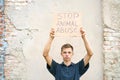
[{"x": 67, "y": 24}]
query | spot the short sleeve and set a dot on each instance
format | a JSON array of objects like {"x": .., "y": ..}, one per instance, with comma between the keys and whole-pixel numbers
[
  {"x": 82, "y": 68},
  {"x": 52, "y": 68}
]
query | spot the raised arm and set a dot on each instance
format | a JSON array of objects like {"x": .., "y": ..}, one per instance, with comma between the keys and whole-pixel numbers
[
  {"x": 47, "y": 48},
  {"x": 87, "y": 46}
]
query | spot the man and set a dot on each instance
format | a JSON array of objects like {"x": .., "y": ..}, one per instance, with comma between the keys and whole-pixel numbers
[{"x": 67, "y": 70}]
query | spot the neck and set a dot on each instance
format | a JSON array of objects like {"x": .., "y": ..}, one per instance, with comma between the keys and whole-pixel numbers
[{"x": 67, "y": 63}]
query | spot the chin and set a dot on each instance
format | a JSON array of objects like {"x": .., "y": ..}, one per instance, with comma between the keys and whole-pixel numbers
[{"x": 66, "y": 59}]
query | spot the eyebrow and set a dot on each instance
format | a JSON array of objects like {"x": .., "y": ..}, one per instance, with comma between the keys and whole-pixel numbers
[{"x": 66, "y": 52}]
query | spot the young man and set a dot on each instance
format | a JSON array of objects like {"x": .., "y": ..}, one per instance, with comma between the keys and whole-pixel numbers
[{"x": 67, "y": 70}]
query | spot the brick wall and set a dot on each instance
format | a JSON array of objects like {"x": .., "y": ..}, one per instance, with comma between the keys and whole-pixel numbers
[
  {"x": 111, "y": 21},
  {"x": 15, "y": 39},
  {"x": 111, "y": 45},
  {"x": 2, "y": 40}
]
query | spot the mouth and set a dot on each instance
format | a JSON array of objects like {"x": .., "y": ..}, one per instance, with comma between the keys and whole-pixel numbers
[{"x": 66, "y": 57}]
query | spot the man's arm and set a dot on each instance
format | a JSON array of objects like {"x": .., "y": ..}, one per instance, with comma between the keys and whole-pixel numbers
[
  {"x": 88, "y": 49},
  {"x": 47, "y": 48}
]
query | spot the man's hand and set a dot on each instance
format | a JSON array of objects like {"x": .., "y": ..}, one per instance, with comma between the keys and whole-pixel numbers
[
  {"x": 82, "y": 32},
  {"x": 52, "y": 33}
]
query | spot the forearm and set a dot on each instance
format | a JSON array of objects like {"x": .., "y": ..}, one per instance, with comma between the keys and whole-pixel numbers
[
  {"x": 88, "y": 49},
  {"x": 47, "y": 47}
]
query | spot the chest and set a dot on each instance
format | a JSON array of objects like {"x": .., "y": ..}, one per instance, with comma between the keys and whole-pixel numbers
[{"x": 66, "y": 73}]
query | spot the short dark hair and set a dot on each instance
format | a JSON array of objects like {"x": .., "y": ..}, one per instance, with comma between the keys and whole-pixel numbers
[{"x": 67, "y": 45}]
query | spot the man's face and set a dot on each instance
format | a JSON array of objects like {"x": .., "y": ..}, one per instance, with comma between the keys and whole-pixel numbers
[{"x": 67, "y": 54}]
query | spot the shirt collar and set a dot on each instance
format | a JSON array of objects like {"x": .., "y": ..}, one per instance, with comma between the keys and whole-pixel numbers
[{"x": 69, "y": 65}]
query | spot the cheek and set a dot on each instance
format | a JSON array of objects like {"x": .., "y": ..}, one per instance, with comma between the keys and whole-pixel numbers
[
  {"x": 63, "y": 55},
  {"x": 71, "y": 55}
]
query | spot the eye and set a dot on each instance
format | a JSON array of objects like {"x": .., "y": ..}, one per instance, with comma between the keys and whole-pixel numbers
[
  {"x": 69, "y": 52},
  {"x": 64, "y": 52}
]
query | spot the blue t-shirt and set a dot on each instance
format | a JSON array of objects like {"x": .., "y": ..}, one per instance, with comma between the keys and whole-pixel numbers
[{"x": 71, "y": 72}]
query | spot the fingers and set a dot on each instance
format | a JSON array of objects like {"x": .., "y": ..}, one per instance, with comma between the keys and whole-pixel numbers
[
  {"x": 52, "y": 33},
  {"x": 82, "y": 31}
]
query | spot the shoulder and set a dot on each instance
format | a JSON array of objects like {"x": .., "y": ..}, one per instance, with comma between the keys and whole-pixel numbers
[
  {"x": 53, "y": 64},
  {"x": 81, "y": 67},
  {"x": 81, "y": 64},
  {"x": 53, "y": 68}
]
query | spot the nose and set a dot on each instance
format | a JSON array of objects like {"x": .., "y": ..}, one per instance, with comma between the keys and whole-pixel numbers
[{"x": 67, "y": 54}]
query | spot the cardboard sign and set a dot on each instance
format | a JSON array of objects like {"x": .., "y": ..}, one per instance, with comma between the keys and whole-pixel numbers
[{"x": 67, "y": 24}]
